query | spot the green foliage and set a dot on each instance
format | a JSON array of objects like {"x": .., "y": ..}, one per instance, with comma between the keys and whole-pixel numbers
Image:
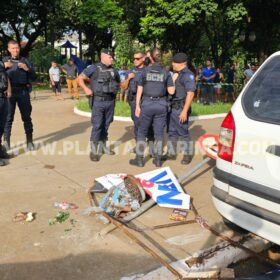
[
  {"x": 42, "y": 56},
  {"x": 122, "y": 109},
  {"x": 180, "y": 25},
  {"x": 26, "y": 20},
  {"x": 100, "y": 12},
  {"x": 123, "y": 44},
  {"x": 201, "y": 28},
  {"x": 167, "y": 59}
]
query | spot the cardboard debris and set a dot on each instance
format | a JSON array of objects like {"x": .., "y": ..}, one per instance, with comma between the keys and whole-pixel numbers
[{"x": 179, "y": 215}]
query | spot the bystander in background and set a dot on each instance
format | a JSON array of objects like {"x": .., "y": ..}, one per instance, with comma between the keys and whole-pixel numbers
[
  {"x": 54, "y": 73},
  {"x": 123, "y": 75},
  {"x": 229, "y": 97},
  {"x": 71, "y": 71},
  {"x": 219, "y": 78}
]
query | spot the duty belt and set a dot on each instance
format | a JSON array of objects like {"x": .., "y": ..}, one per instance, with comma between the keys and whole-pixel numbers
[
  {"x": 131, "y": 96},
  {"x": 18, "y": 86},
  {"x": 177, "y": 104},
  {"x": 103, "y": 98},
  {"x": 153, "y": 98}
]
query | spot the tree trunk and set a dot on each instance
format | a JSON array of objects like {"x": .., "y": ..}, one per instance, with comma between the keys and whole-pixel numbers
[{"x": 80, "y": 43}]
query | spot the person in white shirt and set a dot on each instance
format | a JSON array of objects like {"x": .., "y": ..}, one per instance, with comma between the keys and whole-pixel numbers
[
  {"x": 54, "y": 74},
  {"x": 248, "y": 73}
]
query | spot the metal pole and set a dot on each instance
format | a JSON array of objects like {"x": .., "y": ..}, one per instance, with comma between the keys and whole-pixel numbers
[{"x": 186, "y": 175}]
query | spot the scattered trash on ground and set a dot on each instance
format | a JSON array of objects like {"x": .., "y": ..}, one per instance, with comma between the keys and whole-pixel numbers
[
  {"x": 73, "y": 222},
  {"x": 92, "y": 209},
  {"x": 123, "y": 198},
  {"x": 65, "y": 205},
  {"x": 179, "y": 215},
  {"x": 59, "y": 218},
  {"x": 24, "y": 216}
]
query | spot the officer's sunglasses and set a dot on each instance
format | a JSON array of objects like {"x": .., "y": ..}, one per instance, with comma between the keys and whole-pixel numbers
[{"x": 137, "y": 58}]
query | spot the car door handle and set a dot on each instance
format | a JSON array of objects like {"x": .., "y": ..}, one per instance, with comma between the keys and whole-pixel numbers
[{"x": 274, "y": 150}]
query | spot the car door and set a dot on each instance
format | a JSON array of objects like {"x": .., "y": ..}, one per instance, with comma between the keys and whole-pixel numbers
[{"x": 256, "y": 159}]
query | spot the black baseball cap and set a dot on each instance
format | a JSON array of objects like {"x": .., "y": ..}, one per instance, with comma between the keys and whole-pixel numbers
[
  {"x": 107, "y": 51},
  {"x": 180, "y": 58}
]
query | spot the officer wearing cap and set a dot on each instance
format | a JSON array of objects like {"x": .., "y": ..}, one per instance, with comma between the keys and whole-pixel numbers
[
  {"x": 5, "y": 93},
  {"x": 151, "y": 107},
  {"x": 20, "y": 71},
  {"x": 180, "y": 109},
  {"x": 104, "y": 84}
]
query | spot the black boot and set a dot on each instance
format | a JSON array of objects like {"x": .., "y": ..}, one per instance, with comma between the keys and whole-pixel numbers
[
  {"x": 7, "y": 142},
  {"x": 171, "y": 151},
  {"x": 94, "y": 151},
  {"x": 186, "y": 159},
  {"x": 138, "y": 161},
  {"x": 105, "y": 150},
  {"x": 29, "y": 142},
  {"x": 2, "y": 162},
  {"x": 157, "y": 161},
  {"x": 151, "y": 149},
  {"x": 3, "y": 153}
]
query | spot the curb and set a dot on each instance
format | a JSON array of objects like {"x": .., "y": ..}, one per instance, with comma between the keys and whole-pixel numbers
[{"x": 128, "y": 119}]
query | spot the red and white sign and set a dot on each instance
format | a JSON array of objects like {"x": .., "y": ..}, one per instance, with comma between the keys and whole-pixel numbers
[{"x": 209, "y": 144}]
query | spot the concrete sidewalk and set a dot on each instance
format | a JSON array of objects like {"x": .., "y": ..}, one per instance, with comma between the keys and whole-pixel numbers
[{"x": 33, "y": 182}]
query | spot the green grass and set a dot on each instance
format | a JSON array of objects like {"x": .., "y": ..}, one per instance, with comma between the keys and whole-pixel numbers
[
  {"x": 217, "y": 108},
  {"x": 123, "y": 109}
]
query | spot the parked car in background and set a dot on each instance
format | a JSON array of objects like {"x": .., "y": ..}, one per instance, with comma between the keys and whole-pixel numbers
[{"x": 246, "y": 190}]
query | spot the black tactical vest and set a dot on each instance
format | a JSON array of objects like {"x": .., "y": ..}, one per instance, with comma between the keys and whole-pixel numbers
[
  {"x": 155, "y": 81},
  {"x": 3, "y": 78},
  {"x": 104, "y": 81},
  {"x": 16, "y": 75},
  {"x": 133, "y": 82}
]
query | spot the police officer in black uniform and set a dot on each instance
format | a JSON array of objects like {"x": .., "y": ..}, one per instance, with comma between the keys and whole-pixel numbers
[
  {"x": 104, "y": 84},
  {"x": 178, "y": 124},
  {"x": 151, "y": 107},
  {"x": 132, "y": 78},
  {"x": 19, "y": 70},
  {"x": 5, "y": 93}
]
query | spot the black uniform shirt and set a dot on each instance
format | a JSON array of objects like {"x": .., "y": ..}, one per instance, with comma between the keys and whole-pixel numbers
[{"x": 184, "y": 83}]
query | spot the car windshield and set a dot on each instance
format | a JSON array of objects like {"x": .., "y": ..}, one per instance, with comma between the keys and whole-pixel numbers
[{"x": 261, "y": 101}]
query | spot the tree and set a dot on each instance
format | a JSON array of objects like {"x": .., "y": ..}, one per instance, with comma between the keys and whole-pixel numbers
[
  {"x": 97, "y": 18},
  {"x": 181, "y": 25},
  {"x": 263, "y": 20},
  {"x": 123, "y": 43},
  {"x": 26, "y": 20}
]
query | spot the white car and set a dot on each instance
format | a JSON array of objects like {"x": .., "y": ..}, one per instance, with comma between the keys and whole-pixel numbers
[{"x": 246, "y": 188}]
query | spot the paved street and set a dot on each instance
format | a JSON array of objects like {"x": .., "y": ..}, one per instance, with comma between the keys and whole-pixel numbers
[{"x": 33, "y": 182}]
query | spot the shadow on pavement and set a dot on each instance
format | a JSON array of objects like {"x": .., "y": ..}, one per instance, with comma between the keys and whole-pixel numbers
[{"x": 96, "y": 265}]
